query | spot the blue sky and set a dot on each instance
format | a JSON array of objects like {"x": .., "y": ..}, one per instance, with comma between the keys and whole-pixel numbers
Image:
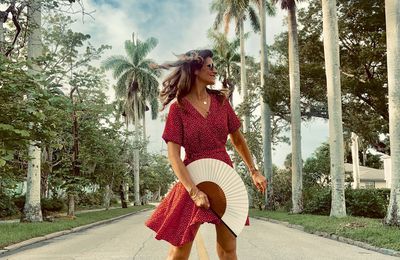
[{"x": 179, "y": 26}]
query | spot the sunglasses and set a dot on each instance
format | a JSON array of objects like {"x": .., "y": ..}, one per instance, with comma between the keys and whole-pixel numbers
[{"x": 211, "y": 66}]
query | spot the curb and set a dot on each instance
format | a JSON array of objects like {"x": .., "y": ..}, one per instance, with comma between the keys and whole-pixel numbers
[
  {"x": 34, "y": 240},
  {"x": 346, "y": 240}
]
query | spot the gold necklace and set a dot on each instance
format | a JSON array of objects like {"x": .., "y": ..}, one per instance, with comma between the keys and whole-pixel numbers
[{"x": 199, "y": 105}]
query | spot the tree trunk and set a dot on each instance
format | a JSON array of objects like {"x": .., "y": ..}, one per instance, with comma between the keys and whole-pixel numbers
[
  {"x": 355, "y": 160},
  {"x": 71, "y": 204},
  {"x": 136, "y": 152},
  {"x": 47, "y": 156},
  {"x": 2, "y": 39},
  {"x": 126, "y": 191},
  {"x": 231, "y": 87},
  {"x": 144, "y": 129},
  {"x": 243, "y": 79},
  {"x": 159, "y": 193},
  {"x": 392, "y": 11},
  {"x": 265, "y": 112},
  {"x": 294, "y": 78},
  {"x": 332, "y": 64},
  {"x": 32, "y": 208},
  {"x": 124, "y": 204},
  {"x": 107, "y": 196},
  {"x": 364, "y": 157}
]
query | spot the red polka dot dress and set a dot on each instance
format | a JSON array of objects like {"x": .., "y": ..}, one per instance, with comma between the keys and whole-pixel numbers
[{"x": 177, "y": 218}]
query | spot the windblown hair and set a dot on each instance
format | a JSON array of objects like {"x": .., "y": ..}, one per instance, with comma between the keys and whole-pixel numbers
[{"x": 181, "y": 80}]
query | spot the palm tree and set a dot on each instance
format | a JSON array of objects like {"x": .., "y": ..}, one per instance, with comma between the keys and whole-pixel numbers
[
  {"x": 135, "y": 78},
  {"x": 226, "y": 58},
  {"x": 355, "y": 161},
  {"x": 2, "y": 39},
  {"x": 237, "y": 10},
  {"x": 332, "y": 64},
  {"x": 392, "y": 11},
  {"x": 32, "y": 208},
  {"x": 263, "y": 6},
  {"x": 294, "y": 79}
]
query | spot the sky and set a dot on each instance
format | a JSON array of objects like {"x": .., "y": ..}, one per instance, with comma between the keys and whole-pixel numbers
[{"x": 179, "y": 26}]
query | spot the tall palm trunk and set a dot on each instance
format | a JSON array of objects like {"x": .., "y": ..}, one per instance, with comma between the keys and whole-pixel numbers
[
  {"x": 32, "y": 210},
  {"x": 136, "y": 150},
  {"x": 392, "y": 11},
  {"x": 265, "y": 111},
  {"x": 2, "y": 39},
  {"x": 332, "y": 64},
  {"x": 356, "y": 161},
  {"x": 144, "y": 129},
  {"x": 243, "y": 79},
  {"x": 47, "y": 155},
  {"x": 294, "y": 79}
]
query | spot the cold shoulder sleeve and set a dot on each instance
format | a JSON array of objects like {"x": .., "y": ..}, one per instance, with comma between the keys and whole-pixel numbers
[
  {"x": 233, "y": 120},
  {"x": 173, "y": 131}
]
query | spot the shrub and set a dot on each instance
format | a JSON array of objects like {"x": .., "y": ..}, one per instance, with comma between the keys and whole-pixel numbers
[
  {"x": 52, "y": 205},
  {"x": 282, "y": 190},
  {"x": 47, "y": 205},
  {"x": 371, "y": 203},
  {"x": 7, "y": 206},
  {"x": 89, "y": 199},
  {"x": 114, "y": 201},
  {"x": 317, "y": 200},
  {"x": 19, "y": 202}
]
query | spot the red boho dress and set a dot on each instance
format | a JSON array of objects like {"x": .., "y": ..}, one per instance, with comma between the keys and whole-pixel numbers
[{"x": 177, "y": 218}]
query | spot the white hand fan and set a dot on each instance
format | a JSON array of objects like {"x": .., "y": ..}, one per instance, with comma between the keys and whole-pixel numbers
[{"x": 225, "y": 190}]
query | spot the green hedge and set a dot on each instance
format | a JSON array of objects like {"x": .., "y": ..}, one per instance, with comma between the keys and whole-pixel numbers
[
  {"x": 7, "y": 206},
  {"x": 371, "y": 203},
  {"x": 317, "y": 200}
]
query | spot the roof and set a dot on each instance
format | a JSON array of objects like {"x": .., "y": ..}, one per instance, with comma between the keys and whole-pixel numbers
[{"x": 367, "y": 173}]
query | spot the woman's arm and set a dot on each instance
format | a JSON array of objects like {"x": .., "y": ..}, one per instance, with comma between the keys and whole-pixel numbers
[
  {"x": 241, "y": 147},
  {"x": 180, "y": 170}
]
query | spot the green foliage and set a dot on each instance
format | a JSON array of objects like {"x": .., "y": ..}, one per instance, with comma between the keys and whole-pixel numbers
[
  {"x": 24, "y": 107},
  {"x": 317, "y": 170},
  {"x": 19, "y": 202},
  {"x": 371, "y": 203},
  {"x": 40, "y": 108},
  {"x": 135, "y": 77},
  {"x": 317, "y": 167},
  {"x": 85, "y": 199},
  {"x": 363, "y": 68},
  {"x": 317, "y": 200},
  {"x": 282, "y": 189},
  {"x": 7, "y": 206},
  {"x": 52, "y": 205},
  {"x": 156, "y": 174}
]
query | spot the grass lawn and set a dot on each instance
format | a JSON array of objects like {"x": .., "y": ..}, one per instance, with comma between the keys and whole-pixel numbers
[
  {"x": 11, "y": 233},
  {"x": 371, "y": 231}
]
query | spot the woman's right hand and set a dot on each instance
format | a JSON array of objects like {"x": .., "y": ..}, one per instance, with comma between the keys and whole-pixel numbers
[{"x": 199, "y": 198}]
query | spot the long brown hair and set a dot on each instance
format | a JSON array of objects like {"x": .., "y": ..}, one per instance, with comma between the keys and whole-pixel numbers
[{"x": 180, "y": 81}]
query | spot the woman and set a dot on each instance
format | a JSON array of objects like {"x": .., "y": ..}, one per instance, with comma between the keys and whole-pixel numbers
[{"x": 199, "y": 120}]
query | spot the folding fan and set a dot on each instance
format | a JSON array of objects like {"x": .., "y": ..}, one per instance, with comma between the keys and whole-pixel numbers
[{"x": 225, "y": 190}]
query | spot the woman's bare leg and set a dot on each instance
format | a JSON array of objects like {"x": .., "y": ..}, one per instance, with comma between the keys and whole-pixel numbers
[
  {"x": 180, "y": 253},
  {"x": 226, "y": 243}
]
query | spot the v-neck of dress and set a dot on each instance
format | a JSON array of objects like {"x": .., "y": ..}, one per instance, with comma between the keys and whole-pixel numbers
[{"x": 197, "y": 111}]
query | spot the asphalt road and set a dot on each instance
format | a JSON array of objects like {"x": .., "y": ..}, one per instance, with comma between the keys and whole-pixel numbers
[{"x": 128, "y": 238}]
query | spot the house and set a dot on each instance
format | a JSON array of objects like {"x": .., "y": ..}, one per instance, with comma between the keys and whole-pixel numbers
[{"x": 369, "y": 177}]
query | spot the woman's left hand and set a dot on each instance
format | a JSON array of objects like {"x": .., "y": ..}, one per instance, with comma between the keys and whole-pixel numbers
[{"x": 259, "y": 181}]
